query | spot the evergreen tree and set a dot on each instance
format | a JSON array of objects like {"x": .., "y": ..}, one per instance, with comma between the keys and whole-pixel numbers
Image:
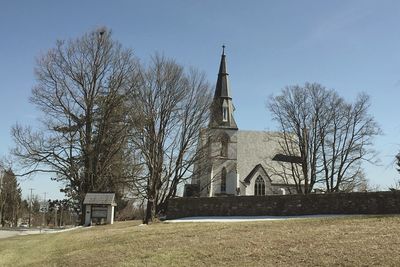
[{"x": 10, "y": 199}]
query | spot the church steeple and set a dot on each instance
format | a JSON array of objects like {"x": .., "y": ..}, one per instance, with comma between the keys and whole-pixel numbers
[{"x": 222, "y": 106}]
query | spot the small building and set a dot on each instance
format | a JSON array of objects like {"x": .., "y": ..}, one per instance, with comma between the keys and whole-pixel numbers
[{"x": 99, "y": 208}]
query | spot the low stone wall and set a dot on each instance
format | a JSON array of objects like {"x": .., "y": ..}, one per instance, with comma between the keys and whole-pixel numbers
[{"x": 286, "y": 205}]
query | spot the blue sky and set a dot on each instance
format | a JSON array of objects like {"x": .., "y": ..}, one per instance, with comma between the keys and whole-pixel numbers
[{"x": 351, "y": 46}]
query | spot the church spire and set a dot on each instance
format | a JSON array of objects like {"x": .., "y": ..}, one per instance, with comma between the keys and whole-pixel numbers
[
  {"x": 222, "y": 107},
  {"x": 222, "y": 89}
]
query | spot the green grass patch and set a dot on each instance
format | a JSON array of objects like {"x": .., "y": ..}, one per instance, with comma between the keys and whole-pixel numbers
[{"x": 351, "y": 241}]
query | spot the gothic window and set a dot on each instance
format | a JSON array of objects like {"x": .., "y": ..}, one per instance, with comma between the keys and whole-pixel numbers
[
  {"x": 259, "y": 187},
  {"x": 209, "y": 144},
  {"x": 283, "y": 191},
  {"x": 223, "y": 180},
  {"x": 224, "y": 145},
  {"x": 224, "y": 114}
]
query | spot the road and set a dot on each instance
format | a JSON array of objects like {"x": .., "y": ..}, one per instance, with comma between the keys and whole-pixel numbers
[{"x": 18, "y": 232}]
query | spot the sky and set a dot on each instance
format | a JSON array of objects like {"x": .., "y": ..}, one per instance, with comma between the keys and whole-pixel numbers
[{"x": 351, "y": 46}]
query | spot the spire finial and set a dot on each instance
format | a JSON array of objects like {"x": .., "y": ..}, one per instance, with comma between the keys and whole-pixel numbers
[{"x": 223, "y": 49}]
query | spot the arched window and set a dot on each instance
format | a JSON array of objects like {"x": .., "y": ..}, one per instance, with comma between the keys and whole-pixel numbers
[
  {"x": 223, "y": 180},
  {"x": 259, "y": 187},
  {"x": 224, "y": 145},
  {"x": 283, "y": 191},
  {"x": 224, "y": 114}
]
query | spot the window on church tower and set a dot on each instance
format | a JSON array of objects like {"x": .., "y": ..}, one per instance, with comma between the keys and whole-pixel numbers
[
  {"x": 209, "y": 145},
  {"x": 223, "y": 180},
  {"x": 224, "y": 114},
  {"x": 224, "y": 145},
  {"x": 259, "y": 187}
]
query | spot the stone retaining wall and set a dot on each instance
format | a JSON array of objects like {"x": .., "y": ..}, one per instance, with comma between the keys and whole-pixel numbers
[{"x": 286, "y": 205}]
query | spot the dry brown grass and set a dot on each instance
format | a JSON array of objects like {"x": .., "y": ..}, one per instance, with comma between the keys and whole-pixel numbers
[{"x": 352, "y": 241}]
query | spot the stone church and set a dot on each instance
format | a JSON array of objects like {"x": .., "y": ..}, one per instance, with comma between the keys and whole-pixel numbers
[{"x": 233, "y": 161}]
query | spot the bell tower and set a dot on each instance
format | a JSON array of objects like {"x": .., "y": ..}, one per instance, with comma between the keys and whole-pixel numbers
[{"x": 222, "y": 137}]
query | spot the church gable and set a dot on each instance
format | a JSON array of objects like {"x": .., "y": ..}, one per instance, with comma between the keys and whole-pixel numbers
[
  {"x": 257, "y": 171},
  {"x": 258, "y": 182}
]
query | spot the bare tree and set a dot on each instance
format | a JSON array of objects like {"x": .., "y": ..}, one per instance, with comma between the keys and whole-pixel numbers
[
  {"x": 171, "y": 107},
  {"x": 82, "y": 87},
  {"x": 346, "y": 132},
  {"x": 396, "y": 185},
  {"x": 331, "y": 137},
  {"x": 297, "y": 110},
  {"x": 359, "y": 184}
]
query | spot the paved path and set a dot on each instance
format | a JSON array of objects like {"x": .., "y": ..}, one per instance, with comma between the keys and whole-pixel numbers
[{"x": 10, "y": 233}]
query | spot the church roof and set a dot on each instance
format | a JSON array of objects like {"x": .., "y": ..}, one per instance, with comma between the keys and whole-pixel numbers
[
  {"x": 287, "y": 158},
  {"x": 255, "y": 150}
]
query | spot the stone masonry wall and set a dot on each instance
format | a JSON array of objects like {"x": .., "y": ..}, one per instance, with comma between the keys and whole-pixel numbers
[{"x": 286, "y": 205}]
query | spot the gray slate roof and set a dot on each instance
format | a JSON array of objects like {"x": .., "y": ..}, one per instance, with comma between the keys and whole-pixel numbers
[
  {"x": 257, "y": 148},
  {"x": 100, "y": 199}
]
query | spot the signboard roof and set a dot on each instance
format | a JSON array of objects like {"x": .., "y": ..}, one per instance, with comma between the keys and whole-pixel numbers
[{"x": 100, "y": 199}]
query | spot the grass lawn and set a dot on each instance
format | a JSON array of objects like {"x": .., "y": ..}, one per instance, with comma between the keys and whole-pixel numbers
[{"x": 305, "y": 242}]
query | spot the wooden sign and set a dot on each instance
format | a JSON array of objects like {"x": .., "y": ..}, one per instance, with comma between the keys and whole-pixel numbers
[{"x": 99, "y": 212}]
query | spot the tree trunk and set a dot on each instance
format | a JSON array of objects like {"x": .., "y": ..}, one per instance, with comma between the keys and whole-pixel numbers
[
  {"x": 83, "y": 209},
  {"x": 147, "y": 217},
  {"x": 61, "y": 217},
  {"x": 2, "y": 217}
]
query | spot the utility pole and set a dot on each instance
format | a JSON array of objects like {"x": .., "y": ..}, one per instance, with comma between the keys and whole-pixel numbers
[
  {"x": 44, "y": 209},
  {"x": 30, "y": 207},
  {"x": 61, "y": 214},
  {"x": 55, "y": 214}
]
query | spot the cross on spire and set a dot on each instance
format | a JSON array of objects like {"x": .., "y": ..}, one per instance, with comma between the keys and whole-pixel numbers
[{"x": 223, "y": 49}]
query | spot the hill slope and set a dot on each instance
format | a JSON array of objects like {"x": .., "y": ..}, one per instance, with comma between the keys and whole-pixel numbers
[{"x": 345, "y": 241}]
